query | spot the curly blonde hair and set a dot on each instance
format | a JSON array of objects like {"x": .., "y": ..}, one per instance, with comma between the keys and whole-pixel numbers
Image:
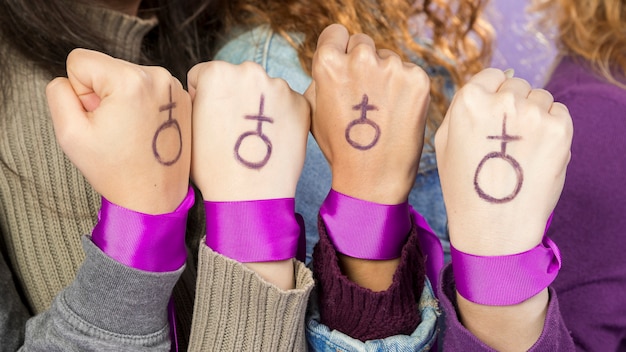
[
  {"x": 592, "y": 29},
  {"x": 461, "y": 40}
]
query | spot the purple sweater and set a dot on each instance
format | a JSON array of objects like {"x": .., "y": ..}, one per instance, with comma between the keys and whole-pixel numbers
[{"x": 591, "y": 214}]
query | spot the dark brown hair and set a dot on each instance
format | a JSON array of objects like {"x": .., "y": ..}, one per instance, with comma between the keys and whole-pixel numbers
[{"x": 44, "y": 32}]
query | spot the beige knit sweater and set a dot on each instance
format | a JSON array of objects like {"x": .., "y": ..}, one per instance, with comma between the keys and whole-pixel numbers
[{"x": 46, "y": 205}]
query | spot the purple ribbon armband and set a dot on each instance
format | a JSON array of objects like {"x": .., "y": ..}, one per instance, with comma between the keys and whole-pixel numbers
[
  {"x": 146, "y": 242},
  {"x": 253, "y": 231},
  {"x": 508, "y": 279},
  {"x": 363, "y": 229}
]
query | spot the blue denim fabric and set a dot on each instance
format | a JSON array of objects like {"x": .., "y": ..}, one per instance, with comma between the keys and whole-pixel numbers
[
  {"x": 280, "y": 59},
  {"x": 320, "y": 338}
]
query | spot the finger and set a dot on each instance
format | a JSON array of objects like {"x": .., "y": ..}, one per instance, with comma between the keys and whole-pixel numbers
[
  {"x": 386, "y": 54},
  {"x": 92, "y": 73},
  {"x": 66, "y": 109},
  {"x": 517, "y": 86},
  {"x": 558, "y": 109},
  {"x": 542, "y": 98},
  {"x": 192, "y": 80},
  {"x": 334, "y": 36},
  {"x": 360, "y": 39},
  {"x": 489, "y": 79}
]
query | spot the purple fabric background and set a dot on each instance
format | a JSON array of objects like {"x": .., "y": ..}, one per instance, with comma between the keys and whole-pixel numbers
[{"x": 519, "y": 42}]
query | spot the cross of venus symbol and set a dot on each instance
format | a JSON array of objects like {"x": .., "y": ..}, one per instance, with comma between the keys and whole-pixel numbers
[
  {"x": 260, "y": 118},
  {"x": 364, "y": 107},
  {"x": 504, "y": 139},
  {"x": 170, "y": 123}
]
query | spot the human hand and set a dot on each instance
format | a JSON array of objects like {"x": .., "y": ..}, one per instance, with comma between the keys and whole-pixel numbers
[
  {"x": 126, "y": 127},
  {"x": 502, "y": 152},
  {"x": 368, "y": 116},
  {"x": 249, "y": 133}
]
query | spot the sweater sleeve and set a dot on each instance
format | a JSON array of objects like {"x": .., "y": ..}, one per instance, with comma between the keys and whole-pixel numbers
[
  {"x": 359, "y": 312},
  {"x": 13, "y": 313},
  {"x": 236, "y": 310},
  {"x": 108, "y": 307},
  {"x": 554, "y": 337}
]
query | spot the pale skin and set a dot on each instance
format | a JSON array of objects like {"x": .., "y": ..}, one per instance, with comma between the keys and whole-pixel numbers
[
  {"x": 547, "y": 128},
  {"x": 345, "y": 68},
  {"x": 105, "y": 115},
  {"x": 480, "y": 227},
  {"x": 223, "y": 94}
]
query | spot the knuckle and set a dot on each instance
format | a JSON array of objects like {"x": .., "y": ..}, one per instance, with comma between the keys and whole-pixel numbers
[
  {"x": 327, "y": 57},
  {"x": 362, "y": 54},
  {"x": 419, "y": 76},
  {"x": 545, "y": 93}
]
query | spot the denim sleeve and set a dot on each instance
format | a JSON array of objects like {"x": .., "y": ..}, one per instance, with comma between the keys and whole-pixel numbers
[
  {"x": 270, "y": 50},
  {"x": 108, "y": 307},
  {"x": 321, "y": 338}
]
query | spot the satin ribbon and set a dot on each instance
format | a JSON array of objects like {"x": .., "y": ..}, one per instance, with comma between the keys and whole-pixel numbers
[
  {"x": 363, "y": 229},
  {"x": 146, "y": 242},
  {"x": 373, "y": 231},
  {"x": 431, "y": 247},
  {"x": 508, "y": 279},
  {"x": 253, "y": 231}
]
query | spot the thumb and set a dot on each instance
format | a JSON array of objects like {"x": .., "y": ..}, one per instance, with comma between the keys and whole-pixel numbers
[
  {"x": 67, "y": 111},
  {"x": 93, "y": 75}
]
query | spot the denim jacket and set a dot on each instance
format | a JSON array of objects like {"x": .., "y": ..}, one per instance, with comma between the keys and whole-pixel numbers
[{"x": 280, "y": 60}]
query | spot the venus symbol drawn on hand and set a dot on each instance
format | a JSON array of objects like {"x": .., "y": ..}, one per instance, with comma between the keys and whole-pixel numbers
[
  {"x": 170, "y": 123},
  {"x": 364, "y": 107},
  {"x": 259, "y": 132},
  {"x": 505, "y": 138}
]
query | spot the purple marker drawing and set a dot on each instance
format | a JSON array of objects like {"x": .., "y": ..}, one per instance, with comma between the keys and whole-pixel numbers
[
  {"x": 170, "y": 123},
  {"x": 259, "y": 132},
  {"x": 505, "y": 138},
  {"x": 364, "y": 107}
]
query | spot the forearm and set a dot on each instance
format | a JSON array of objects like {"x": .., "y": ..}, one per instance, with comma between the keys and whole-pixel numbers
[
  {"x": 553, "y": 336},
  {"x": 279, "y": 273},
  {"x": 235, "y": 309},
  {"x": 376, "y": 275},
  {"x": 392, "y": 298},
  {"x": 505, "y": 328}
]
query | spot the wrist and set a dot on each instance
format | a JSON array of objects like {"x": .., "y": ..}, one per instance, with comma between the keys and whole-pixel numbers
[
  {"x": 372, "y": 189},
  {"x": 253, "y": 231},
  {"x": 143, "y": 241},
  {"x": 505, "y": 280},
  {"x": 363, "y": 229}
]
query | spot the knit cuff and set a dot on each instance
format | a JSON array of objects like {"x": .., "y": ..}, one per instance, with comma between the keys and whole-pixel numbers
[
  {"x": 118, "y": 299},
  {"x": 359, "y": 312},
  {"x": 236, "y": 310}
]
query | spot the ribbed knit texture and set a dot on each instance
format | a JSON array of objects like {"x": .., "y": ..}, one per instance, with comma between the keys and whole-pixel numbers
[
  {"x": 253, "y": 315},
  {"x": 359, "y": 312},
  {"x": 46, "y": 204}
]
